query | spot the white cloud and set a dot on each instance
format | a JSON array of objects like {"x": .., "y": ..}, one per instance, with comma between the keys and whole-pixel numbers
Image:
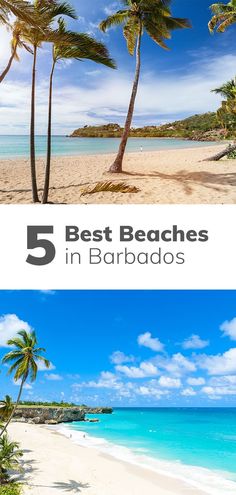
[
  {"x": 153, "y": 343},
  {"x": 229, "y": 329},
  {"x": 167, "y": 382},
  {"x": 42, "y": 367},
  {"x": 5, "y": 50},
  {"x": 194, "y": 342},
  {"x": 105, "y": 97},
  {"x": 106, "y": 380},
  {"x": 27, "y": 386},
  {"x": 188, "y": 392},
  {"x": 53, "y": 377},
  {"x": 176, "y": 365},
  {"x": 9, "y": 326},
  {"x": 152, "y": 389},
  {"x": 196, "y": 381},
  {"x": 146, "y": 369},
  {"x": 219, "y": 364},
  {"x": 119, "y": 357}
]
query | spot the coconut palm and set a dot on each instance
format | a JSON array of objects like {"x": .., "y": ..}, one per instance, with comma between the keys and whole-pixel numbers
[
  {"x": 10, "y": 455},
  {"x": 224, "y": 16},
  {"x": 45, "y": 13},
  {"x": 227, "y": 90},
  {"x": 138, "y": 16},
  {"x": 16, "y": 43},
  {"x": 24, "y": 358},
  {"x": 19, "y": 8},
  {"x": 72, "y": 46},
  {"x": 6, "y": 408}
]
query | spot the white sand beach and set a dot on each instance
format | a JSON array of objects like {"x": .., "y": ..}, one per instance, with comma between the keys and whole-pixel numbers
[
  {"x": 163, "y": 177},
  {"x": 55, "y": 464}
]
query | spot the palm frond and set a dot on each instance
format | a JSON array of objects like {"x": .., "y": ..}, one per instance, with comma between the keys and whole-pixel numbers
[
  {"x": 108, "y": 186},
  {"x": 114, "y": 20},
  {"x": 131, "y": 31}
]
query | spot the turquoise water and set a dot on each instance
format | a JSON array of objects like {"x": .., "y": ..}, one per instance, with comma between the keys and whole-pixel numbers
[
  {"x": 204, "y": 437},
  {"x": 18, "y": 146}
]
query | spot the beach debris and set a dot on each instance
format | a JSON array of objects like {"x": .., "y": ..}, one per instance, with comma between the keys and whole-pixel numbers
[{"x": 109, "y": 186}]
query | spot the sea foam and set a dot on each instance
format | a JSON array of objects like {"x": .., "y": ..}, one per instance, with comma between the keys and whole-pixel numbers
[{"x": 210, "y": 482}]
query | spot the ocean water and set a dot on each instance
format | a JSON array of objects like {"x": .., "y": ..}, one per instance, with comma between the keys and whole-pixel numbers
[
  {"x": 18, "y": 146},
  {"x": 203, "y": 438}
]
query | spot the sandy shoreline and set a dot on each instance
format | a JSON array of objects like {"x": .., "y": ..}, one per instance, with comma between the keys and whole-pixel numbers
[
  {"x": 55, "y": 464},
  {"x": 163, "y": 177}
]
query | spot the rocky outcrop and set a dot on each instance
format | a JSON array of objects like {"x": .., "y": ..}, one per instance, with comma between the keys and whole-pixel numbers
[
  {"x": 52, "y": 415},
  {"x": 49, "y": 415},
  {"x": 98, "y": 410}
]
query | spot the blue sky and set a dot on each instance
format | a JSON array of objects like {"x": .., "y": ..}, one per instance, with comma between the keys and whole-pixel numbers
[
  {"x": 173, "y": 84},
  {"x": 132, "y": 348}
]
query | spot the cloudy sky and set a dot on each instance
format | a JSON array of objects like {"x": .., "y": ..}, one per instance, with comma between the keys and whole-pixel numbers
[
  {"x": 127, "y": 348},
  {"x": 173, "y": 85}
]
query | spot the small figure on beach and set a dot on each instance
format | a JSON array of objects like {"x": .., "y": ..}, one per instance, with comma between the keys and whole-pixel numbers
[{"x": 141, "y": 148}]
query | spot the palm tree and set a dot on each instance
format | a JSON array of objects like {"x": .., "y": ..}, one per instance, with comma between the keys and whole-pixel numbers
[
  {"x": 227, "y": 90},
  {"x": 16, "y": 43},
  {"x": 154, "y": 17},
  {"x": 224, "y": 15},
  {"x": 73, "y": 46},
  {"x": 24, "y": 358},
  {"x": 45, "y": 12},
  {"x": 6, "y": 408},
  {"x": 10, "y": 455},
  {"x": 19, "y": 8}
]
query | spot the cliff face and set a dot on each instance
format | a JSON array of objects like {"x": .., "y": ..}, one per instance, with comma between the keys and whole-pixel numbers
[
  {"x": 49, "y": 415},
  {"x": 54, "y": 415}
]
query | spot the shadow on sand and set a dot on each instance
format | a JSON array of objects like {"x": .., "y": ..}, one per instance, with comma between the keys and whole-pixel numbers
[{"x": 186, "y": 179}]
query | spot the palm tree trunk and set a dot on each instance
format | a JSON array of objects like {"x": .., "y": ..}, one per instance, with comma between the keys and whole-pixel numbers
[
  {"x": 116, "y": 167},
  {"x": 32, "y": 133},
  {"x": 49, "y": 142},
  {"x": 15, "y": 406},
  {"x": 6, "y": 70},
  {"x": 221, "y": 154}
]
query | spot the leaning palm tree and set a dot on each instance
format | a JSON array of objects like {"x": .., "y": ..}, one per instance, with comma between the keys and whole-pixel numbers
[
  {"x": 10, "y": 455},
  {"x": 154, "y": 17},
  {"x": 16, "y": 42},
  {"x": 45, "y": 13},
  {"x": 72, "y": 46},
  {"x": 24, "y": 358},
  {"x": 6, "y": 408},
  {"x": 224, "y": 16}
]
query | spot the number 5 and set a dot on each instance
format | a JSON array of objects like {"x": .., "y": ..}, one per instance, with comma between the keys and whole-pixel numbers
[{"x": 34, "y": 242}]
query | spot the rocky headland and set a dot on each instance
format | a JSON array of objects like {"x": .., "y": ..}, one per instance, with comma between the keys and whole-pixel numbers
[{"x": 53, "y": 415}]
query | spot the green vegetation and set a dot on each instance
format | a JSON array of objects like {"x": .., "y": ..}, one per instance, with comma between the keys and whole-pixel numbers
[
  {"x": 46, "y": 404},
  {"x": 205, "y": 127},
  {"x": 139, "y": 16},
  {"x": 10, "y": 455},
  {"x": 227, "y": 112},
  {"x": 11, "y": 489},
  {"x": 224, "y": 16}
]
